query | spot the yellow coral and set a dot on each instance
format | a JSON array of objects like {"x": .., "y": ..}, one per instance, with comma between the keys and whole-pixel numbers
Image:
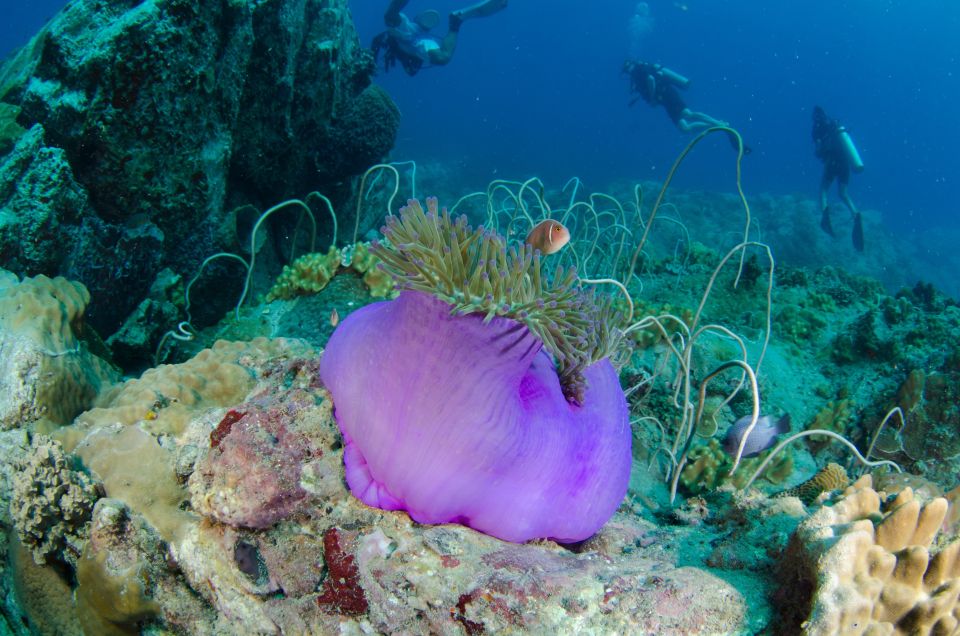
[
  {"x": 307, "y": 275},
  {"x": 114, "y": 586},
  {"x": 380, "y": 283},
  {"x": 43, "y": 596},
  {"x": 705, "y": 467},
  {"x": 360, "y": 257},
  {"x": 363, "y": 261},
  {"x": 111, "y": 601},
  {"x": 651, "y": 336},
  {"x": 871, "y": 567},
  {"x": 311, "y": 273},
  {"x": 709, "y": 466},
  {"x": 776, "y": 472},
  {"x": 836, "y": 416},
  {"x": 46, "y": 310}
]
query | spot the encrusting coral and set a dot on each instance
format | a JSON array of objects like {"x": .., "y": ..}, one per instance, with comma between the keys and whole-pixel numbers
[
  {"x": 310, "y": 273},
  {"x": 870, "y": 567},
  {"x": 470, "y": 423},
  {"x": 166, "y": 397},
  {"x": 114, "y": 572},
  {"x": 52, "y": 503},
  {"x": 307, "y": 275},
  {"x": 47, "y": 375},
  {"x": 359, "y": 258},
  {"x": 708, "y": 467}
]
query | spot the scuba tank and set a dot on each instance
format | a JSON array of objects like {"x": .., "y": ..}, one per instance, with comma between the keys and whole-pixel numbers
[
  {"x": 673, "y": 77},
  {"x": 850, "y": 150}
]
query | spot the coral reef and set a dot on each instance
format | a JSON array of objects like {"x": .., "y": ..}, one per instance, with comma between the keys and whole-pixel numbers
[
  {"x": 265, "y": 537},
  {"x": 226, "y": 509},
  {"x": 228, "y": 513}
]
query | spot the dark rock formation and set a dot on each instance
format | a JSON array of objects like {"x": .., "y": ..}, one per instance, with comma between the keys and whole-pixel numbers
[
  {"x": 153, "y": 120},
  {"x": 41, "y": 206}
]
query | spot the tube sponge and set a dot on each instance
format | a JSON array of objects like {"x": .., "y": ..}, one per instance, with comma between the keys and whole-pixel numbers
[{"x": 461, "y": 417}]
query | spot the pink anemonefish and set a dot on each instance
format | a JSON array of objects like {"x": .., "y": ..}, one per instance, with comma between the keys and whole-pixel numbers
[{"x": 548, "y": 236}]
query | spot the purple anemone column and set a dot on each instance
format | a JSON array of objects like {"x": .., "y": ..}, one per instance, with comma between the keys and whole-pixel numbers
[{"x": 454, "y": 420}]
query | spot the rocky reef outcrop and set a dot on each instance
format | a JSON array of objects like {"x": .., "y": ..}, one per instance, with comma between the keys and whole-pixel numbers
[
  {"x": 134, "y": 130},
  {"x": 224, "y": 510}
]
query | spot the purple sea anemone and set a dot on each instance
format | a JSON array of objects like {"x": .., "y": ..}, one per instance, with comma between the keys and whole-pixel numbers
[{"x": 457, "y": 413}]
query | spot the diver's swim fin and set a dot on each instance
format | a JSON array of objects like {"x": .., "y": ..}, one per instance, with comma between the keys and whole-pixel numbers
[
  {"x": 825, "y": 222},
  {"x": 857, "y": 232},
  {"x": 735, "y": 142},
  {"x": 481, "y": 9}
]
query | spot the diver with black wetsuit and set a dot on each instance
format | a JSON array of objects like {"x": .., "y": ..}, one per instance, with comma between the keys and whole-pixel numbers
[
  {"x": 659, "y": 86},
  {"x": 411, "y": 42},
  {"x": 835, "y": 148}
]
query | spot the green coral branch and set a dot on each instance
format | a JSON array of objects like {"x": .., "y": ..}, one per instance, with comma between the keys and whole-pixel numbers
[{"x": 475, "y": 271}]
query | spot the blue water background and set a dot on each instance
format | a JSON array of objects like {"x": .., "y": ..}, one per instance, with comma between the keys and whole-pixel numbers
[{"x": 537, "y": 90}]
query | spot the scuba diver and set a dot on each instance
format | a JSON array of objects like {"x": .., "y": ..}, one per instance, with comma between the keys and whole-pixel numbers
[
  {"x": 659, "y": 86},
  {"x": 834, "y": 147},
  {"x": 410, "y": 41}
]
